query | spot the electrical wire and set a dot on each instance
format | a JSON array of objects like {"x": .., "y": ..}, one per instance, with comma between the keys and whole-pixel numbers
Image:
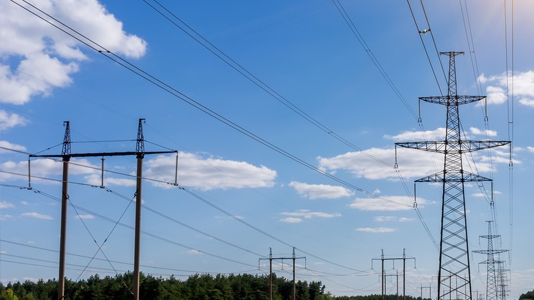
[
  {"x": 113, "y": 261},
  {"x": 130, "y": 227},
  {"x": 105, "y": 240},
  {"x": 126, "y": 64},
  {"x": 424, "y": 46},
  {"x": 371, "y": 55},
  {"x": 212, "y": 205},
  {"x": 254, "y": 79},
  {"x": 362, "y": 42}
]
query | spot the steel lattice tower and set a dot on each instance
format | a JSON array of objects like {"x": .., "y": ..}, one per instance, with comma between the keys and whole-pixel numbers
[
  {"x": 494, "y": 284},
  {"x": 454, "y": 276}
]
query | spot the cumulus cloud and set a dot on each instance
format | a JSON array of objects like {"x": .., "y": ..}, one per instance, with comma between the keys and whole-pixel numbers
[
  {"x": 10, "y": 120},
  {"x": 37, "y": 216},
  {"x": 307, "y": 214},
  {"x": 413, "y": 163},
  {"x": 33, "y": 49},
  {"x": 369, "y": 164},
  {"x": 315, "y": 191},
  {"x": 384, "y": 218},
  {"x": 209, "y": 173},
  {"x": 377, "y": 229},
  {"x": 291, "y": 220},
  {"x": 4, "y": 204},
  {"x": 523, "y": 87},
  {"x": 5, "y": 217},
  {"x": 85, "y": 217},
  {"x": 391, "y": 218},
  {"x": 96, "y": 179},
  {"x": 9, "y": 145},
  {"x": 437, "y": 134},
  {"x": 45, "y": 168},
  {"x": 386, "y": 203},
  {"x": 486, "y": 132},
  {"x": 296, "y": 216}
]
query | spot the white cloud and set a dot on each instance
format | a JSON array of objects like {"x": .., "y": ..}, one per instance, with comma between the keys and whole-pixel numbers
[
  {"x": 307, "y": 214},
  {"x": 391, "y": 218},
  {"x": 95, "y": 179},
  {"x": 386, "y": 203},
  {"x": 10, "y": 120},
  {"x": 230, "y": 218},
  {"x": 45, "y": 168},
  {"x": 4, "y": 204},
  {"x": 526, "y": 102},
  {"x": 361, "y": 165},
  {"x": 385, "y": 218},
  {"x": 496, "y": 95},
  {"x": 523, "y": 87},
  {"x": 436, "y": 134},
  {"x": 530, "y": 149},
  {"x": 37, "y": 216},
  {"x": 377, "y": 229},
  {"x": 194, "y": 252},
  {"x": 9, "y": 145},
  {"x": 5, "y": 217},
  {"x": 41, "y": 51},
  {"x": 85, "y": 217},
  {"x": 315, "y": 191},
  {"x": 485, "y": 132},
  {"x": 411, "y": 163},
  {"x": 291, "y": 220},
  {"x": 209, "y": 173}
]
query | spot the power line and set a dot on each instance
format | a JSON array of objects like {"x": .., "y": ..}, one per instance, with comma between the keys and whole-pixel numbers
[
  {"x": 254, "y": 79},
  {"x": 371, "y": 55},
  {"x": 195, "y": 195},
  {"x": 191, "y": 101},
  {"x": 424, "y": 46},
  {"x": 130, "y": 227},
  {"x": 113, "y": 261},
  {"x": 362, "y": 42},
  {"x": 194, "y": 103}
]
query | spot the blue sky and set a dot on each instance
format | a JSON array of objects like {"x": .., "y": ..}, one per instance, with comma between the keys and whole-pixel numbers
[{"x": 306, "y": 53}]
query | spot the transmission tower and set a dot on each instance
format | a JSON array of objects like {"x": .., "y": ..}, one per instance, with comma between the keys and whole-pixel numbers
[
  {"x": 495, "y": 288},
  {"x": 454, "y": 247}
]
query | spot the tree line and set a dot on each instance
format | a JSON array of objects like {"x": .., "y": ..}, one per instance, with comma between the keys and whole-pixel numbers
[{"x": 196, "y": 287}]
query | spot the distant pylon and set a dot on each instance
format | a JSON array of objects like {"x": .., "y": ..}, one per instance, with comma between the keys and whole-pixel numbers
[
  {"x": 494, "y": 280},
  {"x": 454, "y": 276}
]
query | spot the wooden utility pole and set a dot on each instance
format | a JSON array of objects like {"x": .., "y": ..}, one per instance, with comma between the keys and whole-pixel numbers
[
  {"x": 271, "y": 258},
  {"x": 383, "y": 273},
  {"x": 66, "y": 155}
]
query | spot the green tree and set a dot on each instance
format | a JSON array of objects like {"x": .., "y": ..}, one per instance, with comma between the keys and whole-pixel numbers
[
  {"x": 8, "y": 294},
  {"x": 527, "y": 295}
]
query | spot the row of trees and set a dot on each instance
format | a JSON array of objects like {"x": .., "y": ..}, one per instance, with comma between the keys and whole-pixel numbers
[
  {"x": 197, "y": 287},
  {"x": 527, "y": 296}
]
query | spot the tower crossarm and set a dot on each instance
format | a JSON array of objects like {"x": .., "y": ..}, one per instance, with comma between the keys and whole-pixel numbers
[
  {"x": 452, "y": 100},
  {"x": 490, "y": 262},
  {"x": 493, "y": 236},
  {"x": 452, "y": 147},
  {"x": 453, "y": 177},
  {"x": 490, "y": 251}
]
